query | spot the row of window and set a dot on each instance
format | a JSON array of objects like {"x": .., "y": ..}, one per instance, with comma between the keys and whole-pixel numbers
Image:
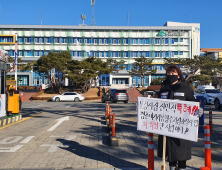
[
  {"x": 6, "y": 39},
  {"x": 70, "y": 40},
  {"x": 103, "y": 53}
]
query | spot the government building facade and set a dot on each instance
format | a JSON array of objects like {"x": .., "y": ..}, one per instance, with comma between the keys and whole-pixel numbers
[{"x": 173, "y": 39}]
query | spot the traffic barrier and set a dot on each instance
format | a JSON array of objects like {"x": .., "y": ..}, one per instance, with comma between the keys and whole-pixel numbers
[
  {"x": 207, "y": 147},
  {"x": 21, "y": 96},
  {"x": 210, "y": 121},
  {"x": 150, "y": 152}
]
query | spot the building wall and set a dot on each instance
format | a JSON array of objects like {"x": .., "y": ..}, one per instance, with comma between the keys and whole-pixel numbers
[{"x": 119, "y": 43}]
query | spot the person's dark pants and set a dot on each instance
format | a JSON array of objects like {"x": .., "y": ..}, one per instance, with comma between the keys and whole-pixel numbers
[{"x": 181, "y": 164}]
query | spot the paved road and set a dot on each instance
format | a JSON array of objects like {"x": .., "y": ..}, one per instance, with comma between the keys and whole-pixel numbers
[{"x": 73, "y": 136}]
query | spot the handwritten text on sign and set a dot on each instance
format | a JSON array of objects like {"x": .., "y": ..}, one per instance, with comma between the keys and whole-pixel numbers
[{"x": 174, "y": 118}]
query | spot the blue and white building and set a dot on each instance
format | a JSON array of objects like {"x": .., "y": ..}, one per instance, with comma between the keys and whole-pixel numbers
[{"x": 173, "y": 39}]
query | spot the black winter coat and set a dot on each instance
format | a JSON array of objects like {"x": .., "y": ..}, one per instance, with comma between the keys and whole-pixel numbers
[{"x": 176, "y": 149}]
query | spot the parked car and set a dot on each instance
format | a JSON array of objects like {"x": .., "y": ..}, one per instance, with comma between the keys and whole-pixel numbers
[
  {"x": 68, "y": 96},
  {"x": 115, "y": 95},
  {"x": 218, "y": 101},
  {"x": 149, "y": 94},
  {"x": 208, "y": 92},
  {"x": 157, "y": 93}
]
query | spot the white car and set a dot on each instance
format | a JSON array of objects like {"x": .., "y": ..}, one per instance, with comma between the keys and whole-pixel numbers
[
  {"x": 68, "y": 96},
  {"x": 218, "y": 101},
  {"x": 208, "y": 94}
]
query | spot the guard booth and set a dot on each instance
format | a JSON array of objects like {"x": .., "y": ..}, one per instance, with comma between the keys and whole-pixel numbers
[
  {"x": 14, "y": 101},
  {"x": 3, "y": 99}
]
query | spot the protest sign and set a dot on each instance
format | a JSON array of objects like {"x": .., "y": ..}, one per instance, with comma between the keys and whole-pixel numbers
[{"x": 174, "y": 118}]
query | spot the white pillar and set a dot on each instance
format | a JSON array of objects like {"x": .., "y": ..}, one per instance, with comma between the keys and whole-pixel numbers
[{"x": 149, "y": 79}]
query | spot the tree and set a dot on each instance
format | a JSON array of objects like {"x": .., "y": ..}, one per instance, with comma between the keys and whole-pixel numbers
[
  {"x": 116, "y": 65},
  {"x": 11, "y": 64},
  {"x": 86, "y": 72},
  {"x": 203, "y": 65},
  {"x": 157, "y": 81},
  {"x": 142, "y": 67},
  {"x": 46, "y": 63}
]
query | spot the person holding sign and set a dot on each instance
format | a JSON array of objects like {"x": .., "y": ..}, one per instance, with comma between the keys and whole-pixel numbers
[{"x": 178, "y": 151}]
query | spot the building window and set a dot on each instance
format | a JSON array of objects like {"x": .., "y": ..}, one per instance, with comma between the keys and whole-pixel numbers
[
  {"x": 157, "y": 54},
  {"x": 40, "y": 81},
  {"x": 100, "y": 41},
  {"x": 114, "y": 41},
  {"x": 100, "y": 54},
  {"x": 45, "y": 81},
  {"x": 105, "y": 41},
  {"x": 157, "y": 41},
  {"x": 25, "y": 80},
  {"x": 35, "y": 81},
  {"x": 85, "y": 41},
  {"x": 163, "y": 40}
]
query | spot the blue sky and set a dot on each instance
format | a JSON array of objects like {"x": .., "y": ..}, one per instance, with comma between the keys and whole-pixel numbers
[{"x": 114, "y": 13}]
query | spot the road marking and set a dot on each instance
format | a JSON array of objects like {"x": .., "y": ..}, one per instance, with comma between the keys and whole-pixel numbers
[
  {"x": 54, "y": 147},
  {"x": 10, "y": 140},
  {"x": 60, "y": 120},
  {"x": 27, "y": 139},
  {"x": 21, "y": 120},
  {"x": 70, "y": 105},
  {"x": 36, "y": 106},
  {"x": 11, "y": 149}
]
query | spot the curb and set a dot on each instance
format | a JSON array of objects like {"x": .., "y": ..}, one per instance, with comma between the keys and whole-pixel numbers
[{"x": 8, "y": 121}]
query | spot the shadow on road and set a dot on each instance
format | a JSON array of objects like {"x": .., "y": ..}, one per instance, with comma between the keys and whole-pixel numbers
[{"x": 95, "y": 154}]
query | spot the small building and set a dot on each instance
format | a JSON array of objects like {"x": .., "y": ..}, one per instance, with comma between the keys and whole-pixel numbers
[{"x": 215, "y": 53}]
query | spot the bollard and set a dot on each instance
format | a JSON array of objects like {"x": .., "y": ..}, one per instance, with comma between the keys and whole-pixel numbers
[
  {"x": 110, "y": 121},
  {"x": 210, "y": 121},
  {"x": 21, "y": 96},
  {"x": 113, "y": 140},
  {"x": 150, "y": 152},
  {"x": 40, "y": 88},
  {"x": 113, "y": 126},
  {"x": 207, "y": 147},
  {"x": 107, "y": 110},
  {"x": 134, "y": 87},
  {"x": 107, "y": 117},
  {"x": 204, "y": 168}
]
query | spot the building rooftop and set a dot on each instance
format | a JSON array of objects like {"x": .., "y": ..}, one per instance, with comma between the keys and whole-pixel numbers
[{"x": 211, "y": 49}]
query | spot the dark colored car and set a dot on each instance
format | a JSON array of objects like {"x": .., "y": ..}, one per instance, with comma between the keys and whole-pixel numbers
[{"x": 115, "y": 95}]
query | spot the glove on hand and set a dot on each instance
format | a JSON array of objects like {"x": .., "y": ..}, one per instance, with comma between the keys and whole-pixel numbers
[{"x": 200, "y": 112}]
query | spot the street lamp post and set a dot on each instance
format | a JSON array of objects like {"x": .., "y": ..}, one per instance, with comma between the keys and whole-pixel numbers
[{"x": 16, "y": 60}]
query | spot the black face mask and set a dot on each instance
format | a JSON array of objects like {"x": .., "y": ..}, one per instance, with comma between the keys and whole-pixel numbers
[{"x": 172, "y": 78}]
